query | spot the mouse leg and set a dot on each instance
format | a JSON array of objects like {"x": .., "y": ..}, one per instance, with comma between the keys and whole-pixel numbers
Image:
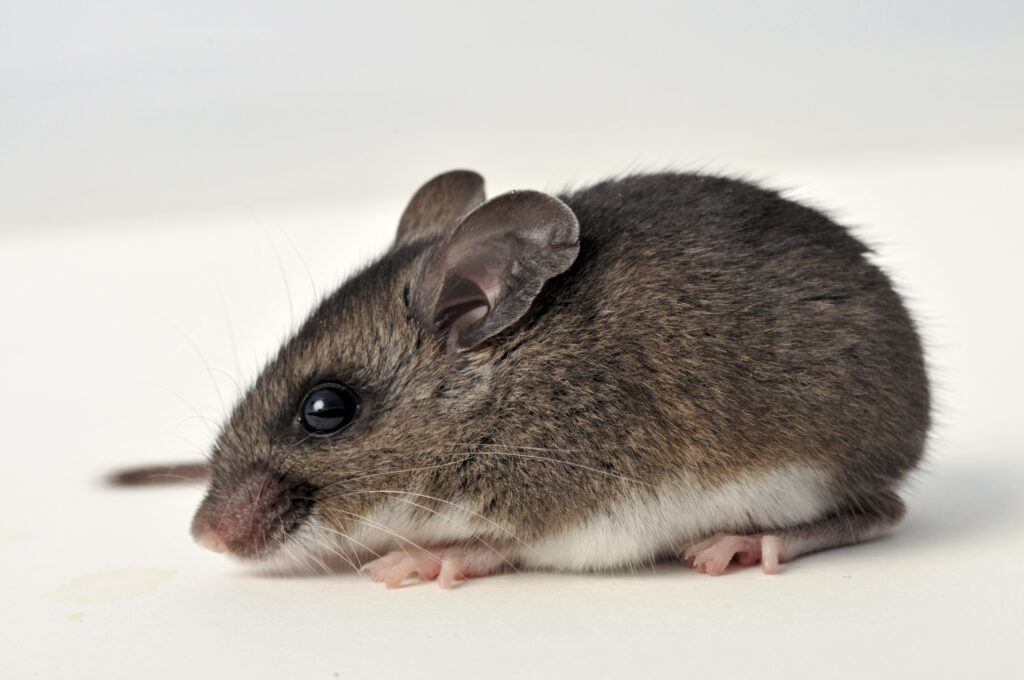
[
  {"x": 713, "y": 554},
  {"x": 447, "y": 565}
]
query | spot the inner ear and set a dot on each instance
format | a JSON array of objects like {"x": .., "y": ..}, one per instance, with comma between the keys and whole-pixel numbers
[
  {"x": 462, "y": 304},
  {"x": 469, "y": 292}
]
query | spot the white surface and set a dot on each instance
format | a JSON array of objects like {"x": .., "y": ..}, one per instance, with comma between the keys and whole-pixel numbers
[{"x": 103, "y": 329}]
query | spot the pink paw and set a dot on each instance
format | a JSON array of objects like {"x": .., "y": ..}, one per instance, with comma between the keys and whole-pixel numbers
[
  {"x": 712, "y": 555},
  {"x": 446, "y": 565}
]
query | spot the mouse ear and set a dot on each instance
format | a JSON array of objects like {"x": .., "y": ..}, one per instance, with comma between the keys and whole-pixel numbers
[
  {"x": 486, "y": 275},
  {"x": 437, "y": 206}
]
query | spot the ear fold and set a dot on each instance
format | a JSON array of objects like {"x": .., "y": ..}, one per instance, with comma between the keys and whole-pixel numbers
[
  {"x": 488, "y": 272},
  {"x": 436, "y": 208}
]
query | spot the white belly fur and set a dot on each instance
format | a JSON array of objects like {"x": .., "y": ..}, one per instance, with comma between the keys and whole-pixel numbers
[
  {"x": 645, "y": 528},
  {"x": 632, "y": 532}
]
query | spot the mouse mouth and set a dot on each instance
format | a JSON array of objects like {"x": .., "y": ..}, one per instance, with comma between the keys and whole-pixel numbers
[{"x": 253, "y": 517}]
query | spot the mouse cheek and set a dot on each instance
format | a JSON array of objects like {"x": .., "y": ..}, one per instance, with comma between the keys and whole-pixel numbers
[{"x": 251, "y": 517}]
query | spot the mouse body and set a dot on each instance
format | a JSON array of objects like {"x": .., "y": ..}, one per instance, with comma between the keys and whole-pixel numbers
[{"x": 666, "y": 364}]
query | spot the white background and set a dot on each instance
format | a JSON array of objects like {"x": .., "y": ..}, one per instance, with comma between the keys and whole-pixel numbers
[{"x": 179, "y": 181}]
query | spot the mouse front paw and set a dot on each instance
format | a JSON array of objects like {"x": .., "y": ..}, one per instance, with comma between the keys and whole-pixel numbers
[{"x": 446, "y": 565}]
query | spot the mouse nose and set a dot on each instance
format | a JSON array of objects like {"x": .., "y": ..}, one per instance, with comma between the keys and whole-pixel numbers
[
  {"x": 250, "y": 514},
  {"x": 211, "y": 540}
]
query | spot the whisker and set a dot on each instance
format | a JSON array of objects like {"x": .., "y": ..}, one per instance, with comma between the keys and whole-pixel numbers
[
  {"x": 555, "y": 460},
  {"x": 433, "y": 498},
  {"x": 392, "y": 472},
  {"x": 280, "y": 266},
  {"x": 303, "y": 559},
  {"x": 364, "y": 520},
  {"x": 209, "y": 372},
  {"x": 231, "y": 330},
  {"x": 255, "y": 504},
  {"x": 310, "y": 555},
  {"x": 196, "y": 415},
  {"x": 312, "y": 284},
  {"x": 333, "y": 551},
  {"x": 467, "y": 455},
  {"x": 238, "y": 388},
  {"x": 479, "y": 539},
  {"x": 352, "y": 540},
  {"x": 195, "y": 450}
]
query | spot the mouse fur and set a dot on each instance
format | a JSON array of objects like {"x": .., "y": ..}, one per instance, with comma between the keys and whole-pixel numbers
[{"x": 668, "y": 359}]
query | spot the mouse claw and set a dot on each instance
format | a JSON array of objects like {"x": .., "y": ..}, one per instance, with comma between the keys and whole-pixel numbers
[
  {"x": 376, "y": 568},
  {"x": 451, "y": 571}
]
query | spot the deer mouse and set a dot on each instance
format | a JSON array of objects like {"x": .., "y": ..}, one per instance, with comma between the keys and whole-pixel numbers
[{"x": 663, "y": 364}]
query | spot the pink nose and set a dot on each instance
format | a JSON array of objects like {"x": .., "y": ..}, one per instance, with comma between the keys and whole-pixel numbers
[
  {"x": 246, "y": 514},
  {"x": 211, "y": 540}
]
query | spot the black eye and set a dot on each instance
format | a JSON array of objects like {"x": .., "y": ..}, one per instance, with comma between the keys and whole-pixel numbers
[{"x": 328, "y": 408}]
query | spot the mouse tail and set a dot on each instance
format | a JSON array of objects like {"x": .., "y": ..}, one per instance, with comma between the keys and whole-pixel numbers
[{"x": 159, "y": 474}]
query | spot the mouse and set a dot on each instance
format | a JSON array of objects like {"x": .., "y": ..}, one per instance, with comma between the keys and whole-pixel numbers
[{"x": 657, "y": 366}]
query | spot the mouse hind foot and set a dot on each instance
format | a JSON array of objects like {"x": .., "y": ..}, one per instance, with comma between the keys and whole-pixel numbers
[{"x": 861, "y": 522}]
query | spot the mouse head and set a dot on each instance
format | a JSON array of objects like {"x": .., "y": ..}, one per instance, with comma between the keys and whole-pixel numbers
[{"x": 378, "y": 396}]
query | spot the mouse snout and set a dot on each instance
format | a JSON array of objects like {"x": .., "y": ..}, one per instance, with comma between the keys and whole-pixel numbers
[{"x": 251, "y": 516}]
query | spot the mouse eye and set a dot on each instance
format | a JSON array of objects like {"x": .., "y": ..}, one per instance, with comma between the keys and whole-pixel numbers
[{"x": 328, "y": 408}]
